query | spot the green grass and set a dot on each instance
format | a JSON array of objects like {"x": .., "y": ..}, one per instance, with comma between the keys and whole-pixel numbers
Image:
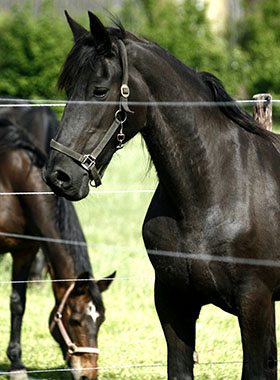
[{"x": 131, "y": 334}]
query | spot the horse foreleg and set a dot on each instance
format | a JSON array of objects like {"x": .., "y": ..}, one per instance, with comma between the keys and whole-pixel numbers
[
  {"x": 178, "y": 318},
  {"x": 21, "y": 266},
  {"x": 257, "y": 324}
]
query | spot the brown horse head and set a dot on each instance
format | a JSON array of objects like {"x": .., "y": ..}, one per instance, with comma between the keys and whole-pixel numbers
[{"x": 75, "y": 322}]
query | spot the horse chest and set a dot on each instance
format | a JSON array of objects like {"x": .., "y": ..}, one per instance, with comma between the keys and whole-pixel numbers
[{"x": 175, "y": 254}]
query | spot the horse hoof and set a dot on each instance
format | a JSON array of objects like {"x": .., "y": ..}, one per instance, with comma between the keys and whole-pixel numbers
[{"x": 18, "y": 375}]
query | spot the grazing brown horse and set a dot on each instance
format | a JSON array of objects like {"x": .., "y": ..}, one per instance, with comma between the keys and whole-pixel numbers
[
  {"x": 42, "y": 124},
  {"x": 79, "y": 310},
  {"x": 212, "y": 228}
]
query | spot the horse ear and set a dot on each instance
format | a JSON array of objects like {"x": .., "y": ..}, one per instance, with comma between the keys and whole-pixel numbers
[
  {"x": 104, "y": 284},
  {"x": 99, "y": 32},
  {"x": 77, "y": 29}
]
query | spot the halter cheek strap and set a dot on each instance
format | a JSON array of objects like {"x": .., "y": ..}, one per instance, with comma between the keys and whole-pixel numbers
[
  {"x": 72, "y": 347},
  {"x": 87, "y": 161}
]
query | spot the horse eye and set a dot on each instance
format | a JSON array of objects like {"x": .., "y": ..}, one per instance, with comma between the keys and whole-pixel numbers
[
  {"x": 100, "y": 92},
  {"x": 74, "y": 322}
]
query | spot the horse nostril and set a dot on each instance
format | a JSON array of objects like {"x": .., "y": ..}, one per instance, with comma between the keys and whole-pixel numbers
[
  {"x": 58, "y": 176},
  {"x": 63, "y": 177},
  {"x": 84, "y": 378}
]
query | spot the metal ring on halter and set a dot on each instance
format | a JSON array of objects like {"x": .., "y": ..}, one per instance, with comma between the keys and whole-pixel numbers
[
  {"x": 72, "y": 348},
  {"x": 119, "y": 113}
]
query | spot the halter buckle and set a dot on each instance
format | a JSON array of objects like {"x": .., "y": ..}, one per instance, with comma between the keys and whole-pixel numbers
[
  {"x": 125, "y": 90},
  {"x": 88, "y": 161}
]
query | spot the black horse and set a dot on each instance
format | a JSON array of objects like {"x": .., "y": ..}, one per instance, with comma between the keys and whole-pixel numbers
[
  {"x": 79, "y": 310},
  {"x": 216, "y": 210}
]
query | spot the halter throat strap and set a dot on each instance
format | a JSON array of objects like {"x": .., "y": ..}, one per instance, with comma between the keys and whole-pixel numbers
[
  {"x": 87, "y": 161},
  {"x": 72, "y": 348}
]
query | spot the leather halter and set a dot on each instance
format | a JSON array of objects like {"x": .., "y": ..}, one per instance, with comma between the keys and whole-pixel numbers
[
  {"x": 57, "y": 320},
  {"x": 87, "y": 161}
]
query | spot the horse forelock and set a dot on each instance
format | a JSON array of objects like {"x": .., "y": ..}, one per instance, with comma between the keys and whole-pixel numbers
[
  {"x": 96, "y": 296},
  {"x": 85, "y": 52}
]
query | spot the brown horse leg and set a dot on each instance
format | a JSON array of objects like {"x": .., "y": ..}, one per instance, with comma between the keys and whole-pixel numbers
[
  {"x": 257, "y": 324},
  {"x": 21, "y": 265},
  {"x": 37, "y": 267},
  {"x": 178, "y": 318}
]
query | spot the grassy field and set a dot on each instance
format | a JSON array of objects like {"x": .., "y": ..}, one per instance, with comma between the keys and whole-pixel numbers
[{"x": 131, "y": 334}]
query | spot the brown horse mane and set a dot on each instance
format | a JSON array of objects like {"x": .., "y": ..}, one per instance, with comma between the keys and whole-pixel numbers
[{"x": 14, "y": 137}]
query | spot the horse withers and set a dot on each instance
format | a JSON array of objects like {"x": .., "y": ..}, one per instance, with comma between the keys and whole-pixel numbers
[
  {"x": 206, "y": 230},
  {"x": 50, "y": 222}
]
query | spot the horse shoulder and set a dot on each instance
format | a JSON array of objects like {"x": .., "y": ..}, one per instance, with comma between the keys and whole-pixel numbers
[{"x": 160, "y": 227}]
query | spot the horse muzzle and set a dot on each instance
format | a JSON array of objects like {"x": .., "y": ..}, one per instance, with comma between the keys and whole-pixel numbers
[
  {"x": 70, "y": 182},
  {"x": 82, "y": 371}
]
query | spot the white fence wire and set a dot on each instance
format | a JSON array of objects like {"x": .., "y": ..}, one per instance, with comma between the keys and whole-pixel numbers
[{"x": 182, "y": 255}]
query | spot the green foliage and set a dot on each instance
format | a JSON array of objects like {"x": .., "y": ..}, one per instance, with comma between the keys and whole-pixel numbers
[
  {"x": 32, "y": 51},
  {"x": 259, "y": 39},
  {"x": 185, "y": 31}
]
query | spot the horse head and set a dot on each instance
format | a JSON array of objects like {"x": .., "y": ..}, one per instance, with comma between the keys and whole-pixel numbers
[
  {"x": 75, "y": 322},
  {"x": 99, "y": 76}
]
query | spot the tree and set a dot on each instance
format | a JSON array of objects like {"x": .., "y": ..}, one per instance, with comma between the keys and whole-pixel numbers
[{"x": 32, "y": 52}]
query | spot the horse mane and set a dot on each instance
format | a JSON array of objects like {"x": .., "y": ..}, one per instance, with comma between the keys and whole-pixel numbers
[
  {"x": 69, "y": 225},
  {"x": 49, "y": 123},
  {"x": 235, "y": 112},
  {"x": 232, "y": 110},
  {"x": 14, "y": 137}
]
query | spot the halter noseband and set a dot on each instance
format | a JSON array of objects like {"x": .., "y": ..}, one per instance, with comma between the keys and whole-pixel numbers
[
  {"x": 72, "y": 347},
  {"x": 87, "y": 161}
]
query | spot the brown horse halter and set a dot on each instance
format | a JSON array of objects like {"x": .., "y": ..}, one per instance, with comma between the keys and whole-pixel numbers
[
  {"x": 87, "y": 161},
  {"x": 57, "y": 320}
]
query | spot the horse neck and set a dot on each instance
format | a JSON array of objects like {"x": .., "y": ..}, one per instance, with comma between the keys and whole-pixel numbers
[{"x": 180, "y": 140}]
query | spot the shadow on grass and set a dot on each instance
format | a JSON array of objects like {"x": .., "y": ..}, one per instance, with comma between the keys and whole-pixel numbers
[{"x": 40, "y": 375}]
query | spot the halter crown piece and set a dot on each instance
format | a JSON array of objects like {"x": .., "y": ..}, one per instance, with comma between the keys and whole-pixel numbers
[{"x": 87, "y": 161}]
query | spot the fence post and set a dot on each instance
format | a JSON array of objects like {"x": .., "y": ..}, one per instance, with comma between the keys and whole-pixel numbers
[{"x": 262, "y": 110}]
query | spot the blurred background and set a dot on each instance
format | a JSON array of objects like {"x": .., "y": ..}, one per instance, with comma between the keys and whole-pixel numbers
[{"x": 236, "y": 40}]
